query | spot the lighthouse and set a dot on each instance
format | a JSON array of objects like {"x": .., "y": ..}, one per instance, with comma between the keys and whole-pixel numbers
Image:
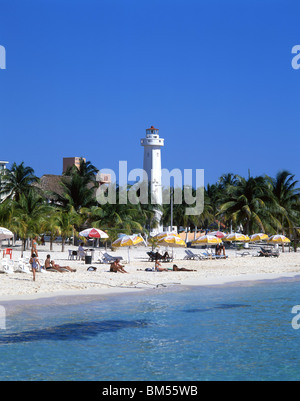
[{"x": 152, "y": 166}]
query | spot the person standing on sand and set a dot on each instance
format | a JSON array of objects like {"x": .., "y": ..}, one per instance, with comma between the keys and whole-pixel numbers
[
  {"x": 34, "y": 247},
  {"x": 34, "y": 264}
]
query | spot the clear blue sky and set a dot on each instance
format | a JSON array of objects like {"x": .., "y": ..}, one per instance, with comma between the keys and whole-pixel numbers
[{"x": 87, "y": 77}]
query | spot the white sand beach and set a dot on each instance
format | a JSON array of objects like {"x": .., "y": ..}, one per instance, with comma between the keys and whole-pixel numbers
[{"x": 235, "y": 268}]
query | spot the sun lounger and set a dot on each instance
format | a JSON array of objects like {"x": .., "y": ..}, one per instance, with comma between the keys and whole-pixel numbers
[
  {"x": 7, "y": 266},
  {"x": 156, "y": 255},
  {"x": 106, "y": 258},
  {"x": 268, "y": 253},
  {"x": 190, "y": 255},
  {"x": 23, "y": 266},
  {"x": 242, "y": 254}
]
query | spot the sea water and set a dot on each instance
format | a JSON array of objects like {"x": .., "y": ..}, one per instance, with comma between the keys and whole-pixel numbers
[{"x": 235, "y": 332}]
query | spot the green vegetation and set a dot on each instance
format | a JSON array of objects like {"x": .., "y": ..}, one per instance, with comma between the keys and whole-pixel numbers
[{"x": 252, "y": 204}]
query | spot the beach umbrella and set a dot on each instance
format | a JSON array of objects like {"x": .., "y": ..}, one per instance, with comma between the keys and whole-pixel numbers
[
  {"x": 128, "y": 241},
  {"x": 259, "y": 237},
  {"x": 218, "y": 234},
  {"x": 172, "y": 241},
  {"x": 165, "y": 234},
  {"x": 93, "y": 233},
  {"x": 5, "y": 234},
  {"x": 237, "y": 237},
  {"x": 279, "y": 239},
  {"x": 207, "y": 240}
]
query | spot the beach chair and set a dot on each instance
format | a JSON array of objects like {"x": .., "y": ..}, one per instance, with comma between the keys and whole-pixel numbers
[
  {"x": 72, "y": 255},
  {"x": 112, "y": 258},
  {"x": 268, "y": 253},
  {"x": 23, "y": 266},
  {"x": 188, "y": 255},
  {"x": 208, "y": 255},
  {"x": 108, "y": 259},
  {"x": 192, "y": 255},
  {"x": 151, "y": 255},
  {"x": 7, "y": 266}
]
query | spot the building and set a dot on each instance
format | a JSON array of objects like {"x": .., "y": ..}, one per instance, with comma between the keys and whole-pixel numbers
[
  {"x": 69, "y": 162},
  {"x": 3, "y": 165},
  {"x": 152, "y": 166}
]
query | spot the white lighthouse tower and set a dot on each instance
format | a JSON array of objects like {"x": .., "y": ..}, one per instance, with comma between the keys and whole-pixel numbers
[{"x": 152, "y": 166}]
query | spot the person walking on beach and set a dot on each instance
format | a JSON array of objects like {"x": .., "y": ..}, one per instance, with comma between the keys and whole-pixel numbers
[{"x": 34, "y": 264}]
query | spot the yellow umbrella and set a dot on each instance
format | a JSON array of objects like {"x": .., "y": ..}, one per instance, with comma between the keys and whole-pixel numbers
[
  {"x": 165, "y": 234},
  {"x": 128, "y": 241},
  {"x": 259, "y": 237},
  {"x": 173, "y": 241},
  {"x": 237, "y": 237},
  {"x": 207, "y": 239},
  {"x": 279, "y": 239}
]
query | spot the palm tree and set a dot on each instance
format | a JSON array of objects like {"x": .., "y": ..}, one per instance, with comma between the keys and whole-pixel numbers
[
  {"x": 247, "y": 204},
  {"x": 287, "y": 197},
  {"x": 17, "y": 180},
  {"x": 79, "y": 186},
  {"x": 28, "y": 215},
  {"x": 66, "y": 221}
]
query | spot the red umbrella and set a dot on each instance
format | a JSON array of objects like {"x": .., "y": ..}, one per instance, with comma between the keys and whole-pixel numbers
[
  {"x": 93, "y": 233},
  {"x": 218, "y": 234}
]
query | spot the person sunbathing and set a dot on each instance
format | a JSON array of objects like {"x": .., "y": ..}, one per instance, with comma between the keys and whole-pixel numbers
[
  {"x": 116, "y": 267},
  {"x": 182, "y": 269},
  {"x": 158, "y": 267},
  {"x": 50, "y": 264}
]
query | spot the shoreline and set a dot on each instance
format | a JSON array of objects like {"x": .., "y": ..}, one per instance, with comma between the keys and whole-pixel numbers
[
  {"x": 229, "y": 281},
  {"x": 235, "y": 270}
]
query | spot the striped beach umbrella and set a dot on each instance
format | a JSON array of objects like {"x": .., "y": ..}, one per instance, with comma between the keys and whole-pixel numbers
[
  {"x": 218, "y": 234},
  {"x": 207, "y": 240},
  {"x": 172, "y": 240},
  {"x": 165, "y": 234},
  {"x": 279, "y": 239},
  {"x": 128, "y": 241},
  {"x": 93, "y": 233},
  {"x": 237, "y": 237},
  {"x": 259, "y": 237}
]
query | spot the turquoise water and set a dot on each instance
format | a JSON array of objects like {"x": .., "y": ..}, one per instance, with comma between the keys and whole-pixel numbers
[{"x": 204, "y": 333}]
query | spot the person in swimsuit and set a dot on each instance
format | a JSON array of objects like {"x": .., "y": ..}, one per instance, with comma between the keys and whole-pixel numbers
[
  {"x": 182, "y": 269},
  {"x": 115, "y": 267},
  {"x": 50, "y": 264},
  {"x": 34, "y": 247},
  {"x": 34, "y": 264},
  {"x": 158, "y": 267}
]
